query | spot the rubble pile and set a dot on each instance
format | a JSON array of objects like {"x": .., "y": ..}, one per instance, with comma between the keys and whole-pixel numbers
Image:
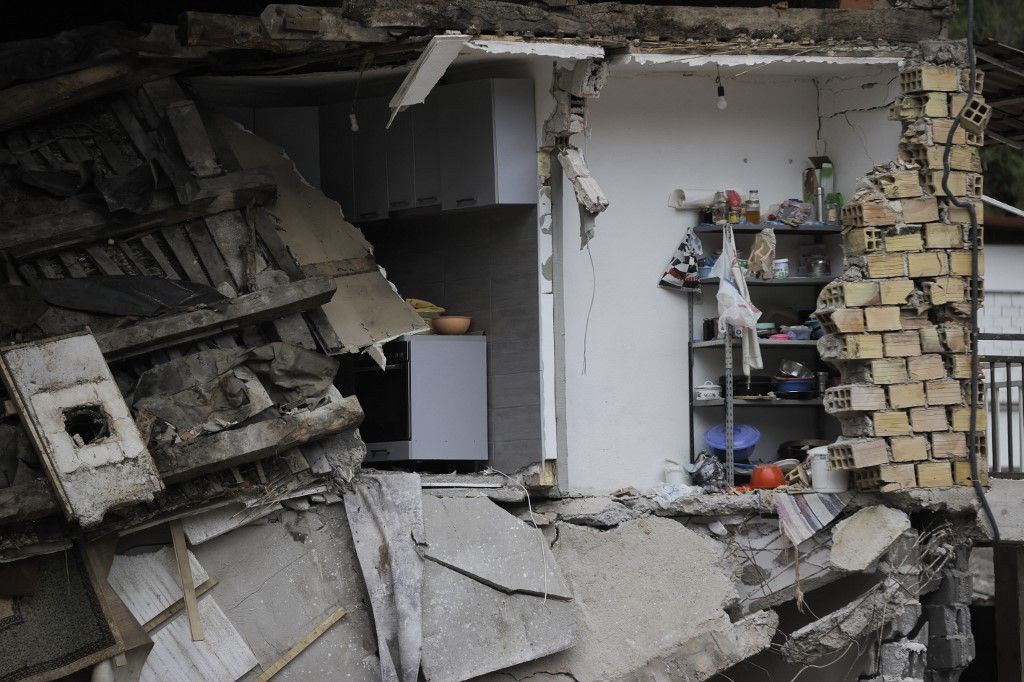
[{"x": 897, "y": 321}]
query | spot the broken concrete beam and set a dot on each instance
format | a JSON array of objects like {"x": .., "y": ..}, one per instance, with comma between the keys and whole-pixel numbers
[
  {"x": 860, "y": 540},
  {"x": 857, "y": 453},
  {"x": 171, "y": 330},
  {"x": 934, "y": 474},
  {"x": 909, "y": 448},
  {"x": 259, "y": 440},
  {"x": 589, "y": 194}
]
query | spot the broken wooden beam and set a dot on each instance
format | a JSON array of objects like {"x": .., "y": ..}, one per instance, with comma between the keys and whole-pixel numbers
[
  {"x": 171, "y": 330},
  {"x": 28, "y": 501},
  {"x": 43, "y": 235},
  {"x": 29, "y": 101},
  {"x": 188, "y": 588},
  {"x": 259, "y": 440}
]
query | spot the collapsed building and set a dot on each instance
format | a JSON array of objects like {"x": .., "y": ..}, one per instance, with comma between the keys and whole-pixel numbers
[{"x": 194, "y": 485}]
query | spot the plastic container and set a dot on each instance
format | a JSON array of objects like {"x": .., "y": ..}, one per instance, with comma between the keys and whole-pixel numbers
[
  {"x": 824, "y": 479},
  {"x": 745, "y": 438},
  {"x": 780, "y": 268}
]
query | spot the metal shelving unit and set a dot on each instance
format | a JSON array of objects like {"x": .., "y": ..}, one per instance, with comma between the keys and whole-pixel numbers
[{"x": 819, "y": 231}]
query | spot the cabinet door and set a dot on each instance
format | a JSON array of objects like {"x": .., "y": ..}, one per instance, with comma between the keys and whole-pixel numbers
[
  {"x": 467, "y": 145},
  {"x": 370, "y": 168},
  {"x": 427, "y": 152},
  {"x": 401, "y": 162},
  {"x": 336, "y": 157}
]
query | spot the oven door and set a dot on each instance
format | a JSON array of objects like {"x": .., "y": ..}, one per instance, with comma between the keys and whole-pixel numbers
[{"x": 384, "y": 395}]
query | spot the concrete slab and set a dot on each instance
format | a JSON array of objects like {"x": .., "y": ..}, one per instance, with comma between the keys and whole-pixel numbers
[
  {"x": 858, "y": 541},
  {"x": 1006, "y": 498},
  {"x": 476, "y": 537},
  {"x": 470, "y": 629},
  {"x": 279, "y": 578},
  {"x": 652, "y": 593}
]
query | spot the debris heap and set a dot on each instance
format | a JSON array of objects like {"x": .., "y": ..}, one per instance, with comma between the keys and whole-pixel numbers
[{"x": 897, "y": 321}]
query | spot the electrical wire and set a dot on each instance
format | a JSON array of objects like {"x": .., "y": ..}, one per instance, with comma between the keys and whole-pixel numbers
[{"x": 972, "y": 445}]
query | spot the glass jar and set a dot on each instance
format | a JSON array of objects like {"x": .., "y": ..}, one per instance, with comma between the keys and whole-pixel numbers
[
  {"x": 719, "y": 209},
  {"x": 734, "y": 215},
  {"x": 752, "y": 208}
]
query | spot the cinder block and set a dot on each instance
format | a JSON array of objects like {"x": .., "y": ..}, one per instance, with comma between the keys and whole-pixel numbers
[
  {"x": 920, "y": 210},
  {"x": 854, "y": 398},
  {"x": 911, "y": 319},
  {"x": 959, "y": 366},
  {"x": 945, "y": 290},
  {"x": 885, "y": 477},
  {"x": 943, "y": 236},
  {"x": 927, "y": 264},
  {"x": 940, "y": 130},
  {"x": 889, "y": 371},
  {"x": 944, "y": 392},
  {"x": 955, "y": 587},
  {"x": 960, "y": 419},
  {"x": 962, "y": 471},
  {"x": 867, "y": 214},
  {"x": 976, "y": 116},
  {"x": 882, "y": 318},
  {"x": 900, "y": 184},
  {"x": 934, "y": 474},
  {"x": 882, "y": 265},
  {"x": 902, "y": 344},
  {"x": 863, "y": 346},
  {"x": 924, "y": 367},
  {"x": 948, "y": 445},
  {"x": 895, "y": 291},
  {"x": 930, "y": 77},
  {"x": 861, "y": 240},
  {"x": 902, "y": 396},
  {"x": 959, "y": 183},
  {"x": 948, "y": 620},
  {"x": 960, "y": 263},
  {"x": 925, "y": 419},
  {"x": 891, "y": 423},
  {"x": 857, "y": 453},
  {"x": 909, "y": 448},
  {"x": 949, "y": 653},
  {"x": 841, "y": 320},
  {"x": 849, "y": 295}
]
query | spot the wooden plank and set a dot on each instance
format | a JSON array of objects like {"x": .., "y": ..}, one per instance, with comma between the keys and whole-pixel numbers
[
  {"x": 152, "y": 247},
  {"x": 301, "y": 645},
  {"x": 188, "y": 590},
  {"x": 341, "y": 268},
  {"x": 29, "y": 101},
  {"x": 136, "y": 133},
  {"x": 235, "y": 241},
  {"x": 181, "y": 247},
  {"x": 210, "y": 257},
  {"x": 259, "y": 440},
  {"x": 170, "y": 330},
  {"x": 184, "y": 119},
  {"x": 34, "y": 499},
  {"x": 103, "y": 260},
  {"x": 176, "y": 608},
  {"x": 71, "y": 262}
]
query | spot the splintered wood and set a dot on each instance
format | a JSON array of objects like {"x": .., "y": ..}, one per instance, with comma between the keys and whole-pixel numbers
[{"x": 894, "y": 322}]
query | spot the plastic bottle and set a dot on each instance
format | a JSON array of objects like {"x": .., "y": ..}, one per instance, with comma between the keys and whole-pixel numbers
[{"x": 752, "y": 207}]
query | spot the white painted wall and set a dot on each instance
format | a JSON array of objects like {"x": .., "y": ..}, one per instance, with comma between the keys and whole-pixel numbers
[{"x": 626, "y": 380}]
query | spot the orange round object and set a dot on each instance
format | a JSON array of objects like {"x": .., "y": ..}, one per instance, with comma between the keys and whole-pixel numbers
[{"x": 766, "y": 476}]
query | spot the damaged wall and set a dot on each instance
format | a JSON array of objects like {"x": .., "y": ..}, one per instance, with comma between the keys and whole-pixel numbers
[{"x": 650, "y": 133}]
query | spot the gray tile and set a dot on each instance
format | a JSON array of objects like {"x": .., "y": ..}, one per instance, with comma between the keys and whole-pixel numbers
[
  {"x": 464, "y": 262},
  {"x": 469, "y": 294},
  {"x": 512, "y": 357},
  {"x": 513, "y": 423},
  {"x": 515, "y": 322},
  {"x": 514, "y": 290},
  {"x": 513, "y": 390},
  {"x": 512, "y": 455}
]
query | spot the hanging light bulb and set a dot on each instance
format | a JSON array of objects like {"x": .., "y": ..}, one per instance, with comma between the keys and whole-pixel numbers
[{"x": 722, "y": 102}]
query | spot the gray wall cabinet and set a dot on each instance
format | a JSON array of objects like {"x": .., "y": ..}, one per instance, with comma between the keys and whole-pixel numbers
[{"x": 469, "y": 145}]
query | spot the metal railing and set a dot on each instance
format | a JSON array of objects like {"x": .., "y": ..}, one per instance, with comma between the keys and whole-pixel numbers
[{"x": 1004, "y": 403}]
